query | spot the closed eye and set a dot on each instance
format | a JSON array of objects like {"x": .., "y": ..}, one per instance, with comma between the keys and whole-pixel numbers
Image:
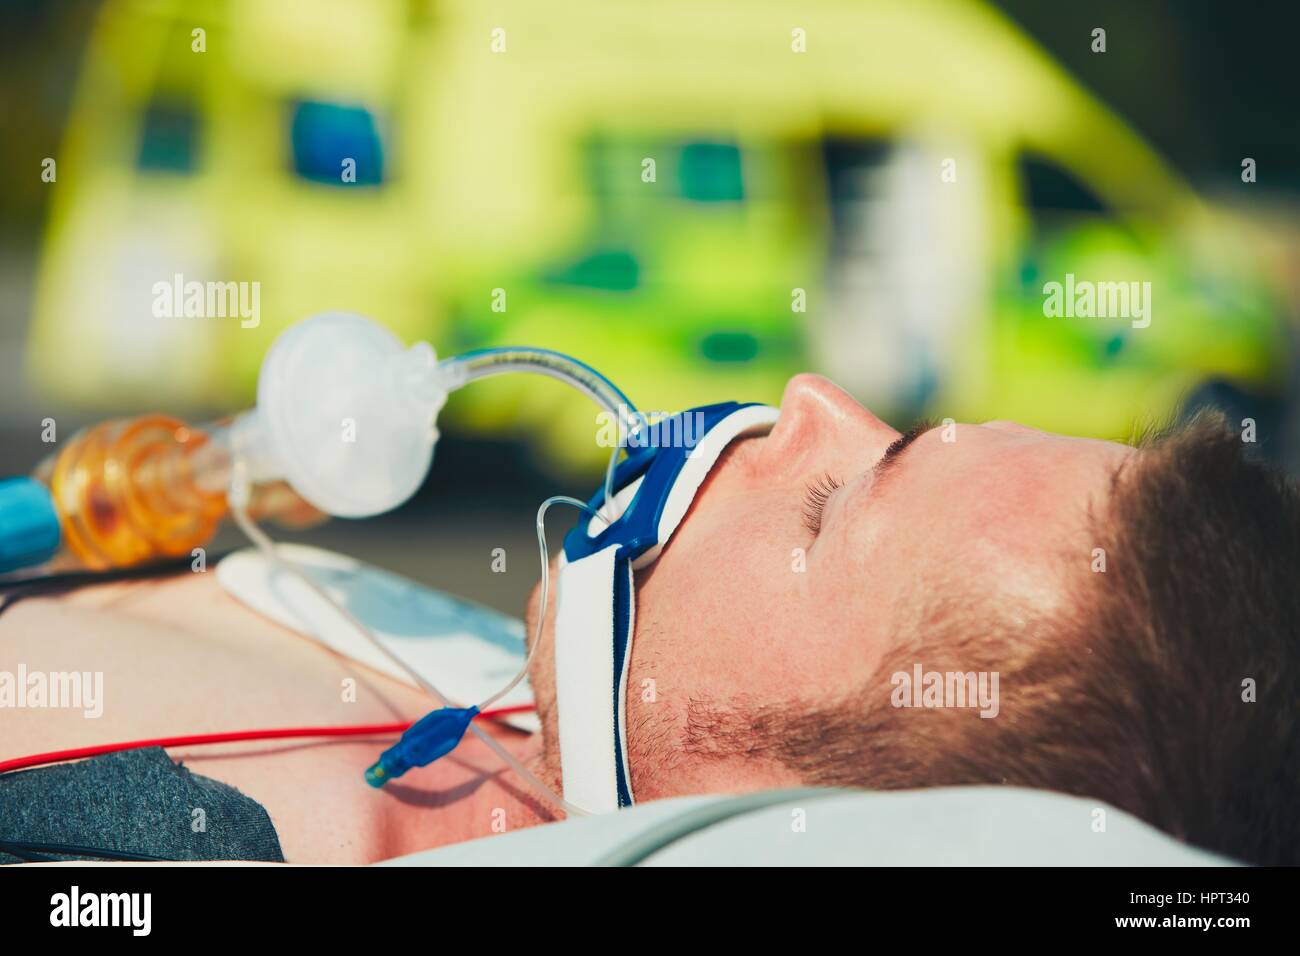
[
  {"x": 814, "y": 502},
  {"x": 820, "y": 490}
]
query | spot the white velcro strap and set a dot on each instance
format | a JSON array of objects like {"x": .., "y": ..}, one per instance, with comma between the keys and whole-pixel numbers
[{"x": 584, "y": 680}]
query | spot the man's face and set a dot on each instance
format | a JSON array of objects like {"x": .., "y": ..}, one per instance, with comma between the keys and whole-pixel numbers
[{"x": 806, "y": 549}]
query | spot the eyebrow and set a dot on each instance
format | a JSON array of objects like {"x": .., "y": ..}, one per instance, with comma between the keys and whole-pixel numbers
[{"x": 889, "y": 460}]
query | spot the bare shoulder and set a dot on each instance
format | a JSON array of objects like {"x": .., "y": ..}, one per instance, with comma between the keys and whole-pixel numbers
[{"x": 178, "y": 656}]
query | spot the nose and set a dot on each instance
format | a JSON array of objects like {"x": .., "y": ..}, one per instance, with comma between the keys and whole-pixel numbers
[{"x": 820, "y": 425}]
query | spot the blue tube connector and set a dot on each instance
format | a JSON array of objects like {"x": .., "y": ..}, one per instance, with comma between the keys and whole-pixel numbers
[
  {"x": 434, "y": 735},
  {"x": 29, "y": 524}
]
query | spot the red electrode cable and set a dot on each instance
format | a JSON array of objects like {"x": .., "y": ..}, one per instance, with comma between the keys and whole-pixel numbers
[{"x": 195, "y": 740}]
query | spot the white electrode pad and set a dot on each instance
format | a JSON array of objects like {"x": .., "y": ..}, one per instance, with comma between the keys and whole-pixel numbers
[{"x": 466, "y": 650}]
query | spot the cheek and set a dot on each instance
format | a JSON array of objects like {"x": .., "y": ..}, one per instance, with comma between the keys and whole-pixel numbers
[{"x": 721, "y": 613}]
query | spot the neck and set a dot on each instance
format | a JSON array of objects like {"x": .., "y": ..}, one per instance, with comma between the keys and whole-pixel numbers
[{"x": 466, "y": 795}]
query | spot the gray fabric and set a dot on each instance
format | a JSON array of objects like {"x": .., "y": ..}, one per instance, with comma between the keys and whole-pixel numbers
[{"x": 138, "y": 801}]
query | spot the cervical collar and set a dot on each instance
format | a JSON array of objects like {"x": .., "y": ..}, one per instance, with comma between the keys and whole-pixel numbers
[{"x": 595, "y": 612}]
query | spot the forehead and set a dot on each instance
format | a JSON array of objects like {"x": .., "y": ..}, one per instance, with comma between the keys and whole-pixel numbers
[
  {"x": 1005, "y": 451},
  {"x": 1018, "y": 480}
]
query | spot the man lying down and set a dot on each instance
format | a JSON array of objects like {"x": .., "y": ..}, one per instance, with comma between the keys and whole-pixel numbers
[{"x": 1138, "y": 607}]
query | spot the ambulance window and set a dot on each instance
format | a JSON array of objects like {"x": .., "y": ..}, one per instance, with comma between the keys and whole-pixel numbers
[
  {"x": 1050, "y": 188},
  {"x": 710, "y": 172},
  {"x": 169, "y": 137},
  {"x": 851, "y": 166},
  {"x": 613, "y": 270},
  {"x": 326, "y": 136}
]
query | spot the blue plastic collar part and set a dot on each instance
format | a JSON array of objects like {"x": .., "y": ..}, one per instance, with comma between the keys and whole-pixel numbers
[
  {"x": 657, "y": 463},
  {"x": 29, "y": 524}
]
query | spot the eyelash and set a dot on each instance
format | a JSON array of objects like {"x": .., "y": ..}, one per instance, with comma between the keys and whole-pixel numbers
[
  {"x": 819, "y": 491},
  {"x": 814, "y": 502}
]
